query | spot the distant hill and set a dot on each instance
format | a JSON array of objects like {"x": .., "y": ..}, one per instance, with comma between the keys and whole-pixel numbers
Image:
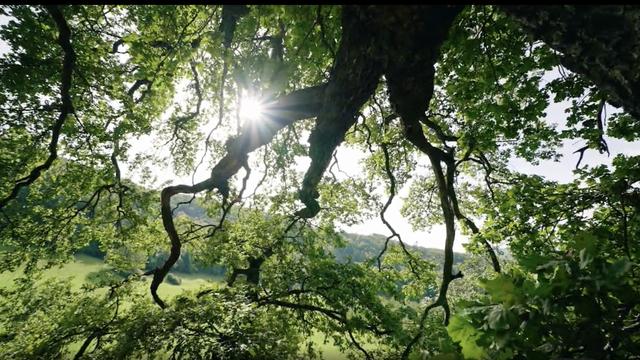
[
  {"x": 359, "y": 247},
  {"x": 363, "y": 247}
]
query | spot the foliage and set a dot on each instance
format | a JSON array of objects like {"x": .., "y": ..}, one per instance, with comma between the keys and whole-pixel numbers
[
  {"x": 173, "y": 279},
  {"x": 103, "y": 277},
  {"x": 575, "y": 272},
  {"x": 437, "y": 99}
]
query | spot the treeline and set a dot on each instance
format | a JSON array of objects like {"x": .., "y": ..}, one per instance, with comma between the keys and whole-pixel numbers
[
  {"x": 186, "y": 263},
  {"x": 361, "y": 248},
  {"x": 358, "y": 248}
]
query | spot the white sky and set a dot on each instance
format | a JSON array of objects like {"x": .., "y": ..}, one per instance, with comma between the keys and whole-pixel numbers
[{"x": 349, "y": 161}]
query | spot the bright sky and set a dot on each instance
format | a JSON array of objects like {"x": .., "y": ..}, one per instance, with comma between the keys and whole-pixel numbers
[{"x": 349, "y": 161}]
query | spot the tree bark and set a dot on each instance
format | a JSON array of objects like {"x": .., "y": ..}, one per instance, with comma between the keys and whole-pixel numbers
[
  {"x": 355, "y": 75},
  {"x": 599, "y": 42}
]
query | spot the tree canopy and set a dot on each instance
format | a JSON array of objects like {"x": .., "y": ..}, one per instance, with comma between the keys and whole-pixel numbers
[{"x": 439, "y": 98}]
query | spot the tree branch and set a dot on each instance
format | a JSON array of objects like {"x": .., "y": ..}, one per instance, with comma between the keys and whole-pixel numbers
[
  {"x": 68, "y": 64},
  {"x": 392, "y": 189},
  {"x": 410, "y": 83},
  {"x": 468, "y": 222},
  {"x": 575, "y": 31},
  {"x": 286, "y": 110},
  {"x": 353, "y": 80}
]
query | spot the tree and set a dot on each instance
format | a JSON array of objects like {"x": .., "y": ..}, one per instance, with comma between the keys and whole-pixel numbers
[{"x": 458, "y": 87}]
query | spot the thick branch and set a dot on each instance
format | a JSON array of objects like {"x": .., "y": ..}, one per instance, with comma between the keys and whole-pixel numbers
[
  {"x": 253, "y": 271},
  {"x": 136, "y": 85},
  {"x": 436, "y": 156},
  {"x": 231, "y": 14},
  {"x": 353, "y": 80},
  {"x": 306, "y": 307},
  {"x": 86, "y": 343},
  {"x": 410, "y": 82},
  {"x": 68, "y": 63},
  {"x": 600, "y": 42}
]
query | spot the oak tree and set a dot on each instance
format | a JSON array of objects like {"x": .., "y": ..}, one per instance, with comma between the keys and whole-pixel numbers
[{"x": 438, "y": 98}]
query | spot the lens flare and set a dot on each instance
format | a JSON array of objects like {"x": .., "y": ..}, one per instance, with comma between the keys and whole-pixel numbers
[{"x": 251, "y": 108}]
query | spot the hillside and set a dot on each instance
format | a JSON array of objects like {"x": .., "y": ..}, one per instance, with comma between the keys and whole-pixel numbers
[{"x": 361, "y": 247}]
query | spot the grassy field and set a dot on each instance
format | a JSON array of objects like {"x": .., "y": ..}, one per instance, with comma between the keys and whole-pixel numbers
[
  {"x": 76, "y": 271},
  {"x": 83, "y": 265}
]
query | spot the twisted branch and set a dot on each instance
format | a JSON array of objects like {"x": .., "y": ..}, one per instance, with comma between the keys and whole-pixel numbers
[
  {"x": 296, "y": 106},
  {"x": 68, "y": 64}
]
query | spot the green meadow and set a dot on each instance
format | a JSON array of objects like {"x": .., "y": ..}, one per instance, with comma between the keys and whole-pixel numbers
[{"x": 83, "y": 265}]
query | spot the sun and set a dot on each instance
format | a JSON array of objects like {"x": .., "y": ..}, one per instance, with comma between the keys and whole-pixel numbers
[{"x": 251, "y": 108}]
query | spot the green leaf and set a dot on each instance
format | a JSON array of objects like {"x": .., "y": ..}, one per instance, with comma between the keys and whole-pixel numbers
[{"x": 463, "y": 332}]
